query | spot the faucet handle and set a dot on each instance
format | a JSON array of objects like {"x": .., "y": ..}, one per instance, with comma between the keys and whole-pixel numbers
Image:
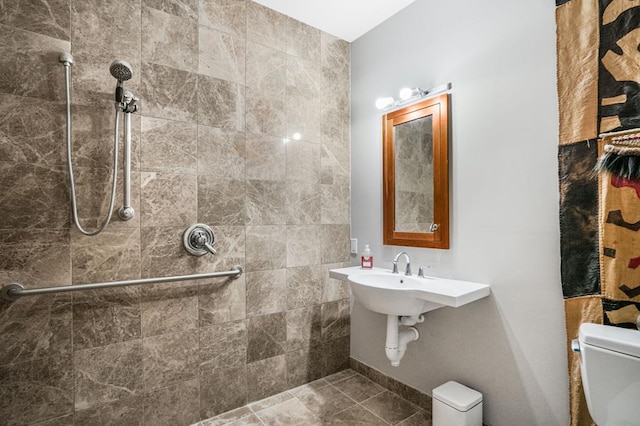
[
  {"x": 408, "y": 270},
  {"x": 421, "y": 270},
  {"x": 395, "y": 268}
]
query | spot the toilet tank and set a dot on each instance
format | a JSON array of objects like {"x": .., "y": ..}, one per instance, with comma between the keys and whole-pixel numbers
[{"x": 610, "y": 367}]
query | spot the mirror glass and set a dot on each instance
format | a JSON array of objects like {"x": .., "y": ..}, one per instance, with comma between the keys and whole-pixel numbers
[{"x": 416, "y": 174}]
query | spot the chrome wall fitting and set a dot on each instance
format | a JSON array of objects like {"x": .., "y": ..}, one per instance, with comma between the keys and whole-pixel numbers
[
  {"x": 198, "y": 240},
  {"x": 6, "y": 291}
]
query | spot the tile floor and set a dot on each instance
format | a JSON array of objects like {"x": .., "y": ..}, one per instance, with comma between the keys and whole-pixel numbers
[{"x": 344, "y": 398}]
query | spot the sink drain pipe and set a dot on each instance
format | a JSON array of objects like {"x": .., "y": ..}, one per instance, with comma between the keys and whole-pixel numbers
[{"x": 397, "y": 341}]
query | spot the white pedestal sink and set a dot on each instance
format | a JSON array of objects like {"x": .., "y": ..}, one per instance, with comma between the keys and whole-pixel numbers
[{"x": 398, "y": 295}]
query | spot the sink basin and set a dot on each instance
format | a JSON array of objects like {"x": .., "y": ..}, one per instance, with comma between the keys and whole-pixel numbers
[{"x": 396, "y": 294}]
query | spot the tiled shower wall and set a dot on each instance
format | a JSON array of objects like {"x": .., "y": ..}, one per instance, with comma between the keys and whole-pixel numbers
[{"x": 224, "y": 86}]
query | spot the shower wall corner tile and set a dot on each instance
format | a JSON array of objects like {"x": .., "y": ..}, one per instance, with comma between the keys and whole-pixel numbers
[
  {"x": 107, "y": 373},
  {"x": 169, "y": 40},
  {"x": 334, "y": 241}
]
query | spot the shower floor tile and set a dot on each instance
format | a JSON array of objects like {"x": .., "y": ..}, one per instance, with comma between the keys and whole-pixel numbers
[{"x": 345, "y": 398}]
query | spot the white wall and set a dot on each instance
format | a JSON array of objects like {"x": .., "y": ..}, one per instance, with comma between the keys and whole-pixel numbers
[{"x": 500, "y": 57}]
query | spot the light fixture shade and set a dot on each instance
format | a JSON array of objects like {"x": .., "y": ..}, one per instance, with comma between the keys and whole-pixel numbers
[
  {"x": 408, "y": 92},
  {"x": 382, "y": 103}
]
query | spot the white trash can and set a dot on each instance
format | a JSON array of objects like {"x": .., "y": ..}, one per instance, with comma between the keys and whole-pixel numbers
[{"x": 456, "y": 405}]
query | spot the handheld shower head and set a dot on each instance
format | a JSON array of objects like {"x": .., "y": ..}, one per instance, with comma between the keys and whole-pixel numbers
[{"x": 122, "y": 71}]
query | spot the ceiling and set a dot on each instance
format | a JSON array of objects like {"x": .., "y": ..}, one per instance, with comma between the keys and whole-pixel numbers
[{"x": 347, "y": 19}]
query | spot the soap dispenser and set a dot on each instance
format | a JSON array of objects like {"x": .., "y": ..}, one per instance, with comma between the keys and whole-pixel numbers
[{"x": 367, "y": 258}]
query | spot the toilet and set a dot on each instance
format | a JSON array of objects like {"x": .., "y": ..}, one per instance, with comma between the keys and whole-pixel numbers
[
  {"x": 455, "y": 404},
  {"x": 610, "y": 368}
]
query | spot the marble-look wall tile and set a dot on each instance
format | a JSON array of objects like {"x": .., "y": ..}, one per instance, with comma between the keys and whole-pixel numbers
[
  {"x": 35, "y": 257},
  {"x": 335, "y": 320},
  {"x": 266, "y": 88},
  {"x": 168, "y": 308},
  {"x": 302, "y": 115},
  {"x": 162, "y": 253},
  {"x": 123, "y": 412},
  {"x": 182, "y": 8},
  {"x": 303, "y": 366},
  {"x": 221, "y": 153},
  {"x": 266, "y": 202},
  {"x": 304, "y": 286},
  {"x": 31, "y": 130},
  {"x": 335, "y": 165},
  {"x": 168, "y": 199},
  {"x": 335, "y": 53},
  {"x": 264, "y": 157},
  {"x": 304, "y": 328},
  {"x": 266, "y": 247},
  {"x": 303, "y": 40},
  {"x": 30, "y": 64},
  {"x": 304, "y": 77},
  {"x": 58, "y": 421},
  {"x": 335, "y": 355},
  {"x": 169, "y": 359},
  {"x": 107, "y": 373},
  {"x": 334, "y": 126},
  {"x": 334, "y": 242},
  {"x": 103, "y": 32},
  {"x": 336, "y": 72},
  {"x": 221, "y": 103},
  {"x": 168, "y": 145},
  {"x": 93, "y": 195},
  {"x": 33, "y": 196},
  {"x": 221, "y": 55},
  {"x": 266, "y": 26},
  {"x": 266, "y": 377},
  {"x": 303, "y": 161},
  {"x": 223, "y": 346},
  {"x": 221, "y": 300},
  {"x": 303, "y": 203},
  {"x": 228, "y": 16},
  {"x": 336, "y": 202},
  {"x": 36, "y": 390},
  {"x": 169, "y": 93},
  {"x": 302, "y": 245},
  {"x": 112, "y": 255},
  {"x": 230, "y": 246},
  {"x": 221, "y": 201},
  {"x": 105, "y": 316},
  {"x": 176, "y": 405},
  {"x": 169, "y": 39},
  {"x": 332, "y": 289},
  {"x": 267, "y": 336},
  {"x": 222, "y": 390},
  {"x": 266, "y": 292},
  {"x": 52, "y": 20},
  {"x": 35, "y": 327}
]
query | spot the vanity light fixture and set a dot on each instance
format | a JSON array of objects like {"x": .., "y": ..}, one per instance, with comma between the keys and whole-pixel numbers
[{"x": 408, "y": 95}]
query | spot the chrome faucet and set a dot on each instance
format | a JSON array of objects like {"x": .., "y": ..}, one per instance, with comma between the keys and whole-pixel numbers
[{"x": 395, "y": 263}]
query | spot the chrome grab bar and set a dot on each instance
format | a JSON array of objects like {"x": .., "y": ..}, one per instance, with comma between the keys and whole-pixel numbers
[{"x": 14, "y": 291}]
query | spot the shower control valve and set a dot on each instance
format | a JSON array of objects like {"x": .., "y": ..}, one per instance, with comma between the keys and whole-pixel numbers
[{"x": 198, "y": 240}]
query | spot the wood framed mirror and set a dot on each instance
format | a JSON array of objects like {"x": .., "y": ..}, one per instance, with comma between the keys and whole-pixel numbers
[{"x": 415, "y": 156}]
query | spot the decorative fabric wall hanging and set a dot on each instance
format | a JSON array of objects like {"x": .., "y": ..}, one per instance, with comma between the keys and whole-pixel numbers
[{"x": 598, "y": 93}]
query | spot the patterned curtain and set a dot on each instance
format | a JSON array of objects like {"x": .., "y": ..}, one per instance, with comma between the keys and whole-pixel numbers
[{"x": 599, "y": 92}]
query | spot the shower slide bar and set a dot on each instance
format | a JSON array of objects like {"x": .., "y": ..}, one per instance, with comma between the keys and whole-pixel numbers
[{"x": 14, "y": 291}]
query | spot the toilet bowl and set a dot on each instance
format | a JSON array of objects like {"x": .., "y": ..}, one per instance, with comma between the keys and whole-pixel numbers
[{"x": 610, "y": 368}]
